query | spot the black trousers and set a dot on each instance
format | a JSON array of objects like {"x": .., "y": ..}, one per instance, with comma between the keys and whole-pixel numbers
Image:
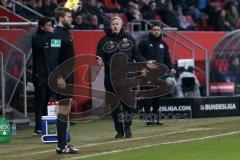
[
  {"x": 122, "y": 114},
  {"x": 151, "y": 108},
  {"x": 122, "y": 118},
  {"x": 41, "y": 100}
]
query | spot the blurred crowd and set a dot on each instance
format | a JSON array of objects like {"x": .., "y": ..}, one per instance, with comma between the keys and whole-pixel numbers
[{"x": 218, "y": 15}]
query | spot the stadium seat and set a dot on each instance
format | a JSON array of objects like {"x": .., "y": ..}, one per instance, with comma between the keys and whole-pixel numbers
[
  {"x": 109, "y": 4},
  {"x": 159, "y": 18}
]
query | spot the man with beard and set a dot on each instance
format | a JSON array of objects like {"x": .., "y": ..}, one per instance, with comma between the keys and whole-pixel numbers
[
  {"x": 156, "y": 50},
  {"x": 62, "y": 50},
  {"x": 107, "y": 47},
  {"x": 40, "y": 71}
]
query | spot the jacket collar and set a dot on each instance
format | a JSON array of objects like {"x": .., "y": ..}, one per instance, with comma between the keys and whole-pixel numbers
[{"x": 155, "y": 39}]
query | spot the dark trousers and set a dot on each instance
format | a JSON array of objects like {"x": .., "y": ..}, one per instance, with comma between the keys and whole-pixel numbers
[
  {"x": 41, "y": 100},
  {"x": 122, "y": 118},
  {"x": 121, "y": 114},
  {"x": 151, "y": 108}
]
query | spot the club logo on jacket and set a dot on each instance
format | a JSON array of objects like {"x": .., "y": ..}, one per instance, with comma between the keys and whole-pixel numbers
[
  {"x": 161, "y": 46},
  {"x": 125, "y": 44},
  {"x": 110, "y": 47}
]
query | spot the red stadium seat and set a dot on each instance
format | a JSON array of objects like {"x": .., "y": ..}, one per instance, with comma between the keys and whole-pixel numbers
[
  {"x": 221, "y": 64},
  {"x": 218, "y": 4},
  {"x": 109, "y": 4},
  {"x": 159, "y": 18}
]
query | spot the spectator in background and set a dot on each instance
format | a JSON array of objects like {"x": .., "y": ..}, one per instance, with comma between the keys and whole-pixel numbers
[
  {"x": 81, "y": 10},
  {"x": 234, "y": 65},
  {"x": 112, "y": 6},
  {"x": 169, "y": 16},
  {"x": 93, "y": 25},
  {"x": 234, "y": 70},
  {"x": 49, "y": 7},
  {"x": 232, "y": 15},
  {"x": 213, "y": 12},
  {"x": 39, "y": 4},
  {"x": 141, "y": 3},
  {"x": 93, "y": 8},
  {"x": 78, "y": 22},
  {"x": 195, "y": 13},
  {"x": 46, "y": 8},
  {"x": 6, "y": 4},
  {"x": 183, "y": 22},
  {"x": 133, "y": 12},
  {"x": 32, "y": 5},
  {"x": 61, "y": 3},
  {"x": 150, "y": 11},
  {"x": 202, "y": 4},
  {"x": 181, "y": 3},
  {"x": 94, "y": 22},
  {"x": 124, "y": 3},
  {"x": 161, "y": 4},
  {"x": 222, "y": 23}
]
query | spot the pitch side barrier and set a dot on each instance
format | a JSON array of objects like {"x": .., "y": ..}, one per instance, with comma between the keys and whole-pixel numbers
[{"x": 199, "y": 107}]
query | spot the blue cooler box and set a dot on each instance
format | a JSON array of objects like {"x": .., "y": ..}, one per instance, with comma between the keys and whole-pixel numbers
[{"x": 49, "y": 130}]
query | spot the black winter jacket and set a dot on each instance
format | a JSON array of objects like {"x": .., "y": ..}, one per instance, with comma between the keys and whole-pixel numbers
[
  {"x": 61, "y": 50},
  {"x": 111, "y": 44},
  {"x": 40, "y": 45},
  {"x": 155, "y": 49}
]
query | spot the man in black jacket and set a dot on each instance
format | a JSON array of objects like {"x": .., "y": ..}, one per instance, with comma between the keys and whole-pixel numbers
[
  {"x": 156, "y": 50},
  {"x": 61, "y": 51},
  {"x": 40, "y": 42},
  {"x": 108, "y": 46}
]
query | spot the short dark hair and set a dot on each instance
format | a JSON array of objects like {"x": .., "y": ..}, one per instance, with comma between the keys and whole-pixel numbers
[
  {"x": 152, "y": 1},
  {"x": 156, "y": 24},
  {"x": 60, "y": 12},
  {"x": 42, "y": 22}
]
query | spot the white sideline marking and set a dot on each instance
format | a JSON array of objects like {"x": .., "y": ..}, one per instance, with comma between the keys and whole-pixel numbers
[
  {"x": 152, "y": 145},
  {"x": 115, "y": 141}
]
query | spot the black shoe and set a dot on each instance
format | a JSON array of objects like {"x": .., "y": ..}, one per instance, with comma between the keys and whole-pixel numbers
[
  {"x": 37, "y": 132},
  {"x": 158, "y": 123},
  {"x": 149, "y": 123},
  {"x": 119, "y": 135},
  {"x": 68, "y": 149},
  {"x": 128, "y": 133}
]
